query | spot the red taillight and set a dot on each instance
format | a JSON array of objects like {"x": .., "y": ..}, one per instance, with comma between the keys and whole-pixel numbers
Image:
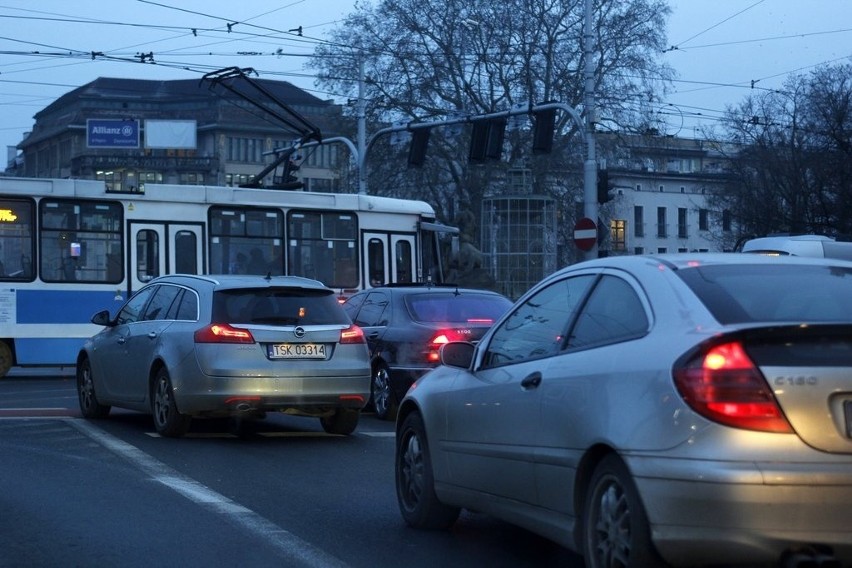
[
  {"x": 223, "y": 333},
  {"x": 352, "y": 334},
  {"x": 723, "y": 385}
]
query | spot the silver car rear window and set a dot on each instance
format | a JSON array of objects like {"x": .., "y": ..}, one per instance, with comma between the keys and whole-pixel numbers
[
  {"x": 778, "y": 293},
  {"x": 278, "y": 306}
]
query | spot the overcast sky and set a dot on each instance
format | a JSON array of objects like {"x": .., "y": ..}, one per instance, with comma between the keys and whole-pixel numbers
[{"x": 718, "y": 47}]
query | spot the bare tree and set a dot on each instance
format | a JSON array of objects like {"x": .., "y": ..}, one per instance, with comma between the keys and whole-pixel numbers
[
  {"x": 430, "y": 60},
  {"x": 792, "y": 171}
]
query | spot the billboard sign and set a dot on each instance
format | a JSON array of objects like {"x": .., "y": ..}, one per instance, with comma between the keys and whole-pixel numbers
[
  {"x": 171, "y": 134},
  {"x": 112, "y": 133}
]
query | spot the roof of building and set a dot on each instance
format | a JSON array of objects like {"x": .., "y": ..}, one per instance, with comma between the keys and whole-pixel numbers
[{"x": 181, "y": 89}]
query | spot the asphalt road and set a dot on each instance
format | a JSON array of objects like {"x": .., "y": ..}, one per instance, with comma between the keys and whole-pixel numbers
[{"x": 75, "y": 492}]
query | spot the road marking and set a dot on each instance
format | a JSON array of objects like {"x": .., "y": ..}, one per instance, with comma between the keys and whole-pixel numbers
[{"x": 295, "y": 550}]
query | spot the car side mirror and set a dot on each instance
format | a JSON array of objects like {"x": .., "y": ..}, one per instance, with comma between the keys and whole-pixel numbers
[
  {"x": 457, "y": 354},
  {"x": 102, "y": 318}
]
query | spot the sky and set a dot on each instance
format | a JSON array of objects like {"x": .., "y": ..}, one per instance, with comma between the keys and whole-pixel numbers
[{"x": 721, "y": 50}]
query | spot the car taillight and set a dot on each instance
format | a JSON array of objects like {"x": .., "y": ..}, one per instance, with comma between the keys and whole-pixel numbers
[
  {"x": 724, "y": 385},
  {"x": 352, "y": 334},
  {"x": 223, "y": 333}
]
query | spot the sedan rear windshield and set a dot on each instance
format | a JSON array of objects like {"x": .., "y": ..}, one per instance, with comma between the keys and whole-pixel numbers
[
  {"x": 278, "y": 306},
  {"x": 456, "y": 308},
  {"x": 780, "y": 293}
]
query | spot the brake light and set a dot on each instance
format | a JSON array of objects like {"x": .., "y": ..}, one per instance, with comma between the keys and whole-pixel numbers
[
  {"x": 724, "y": 385},
  {"x": 352, "y": 334},
  {"x": 223, "y": 333}
]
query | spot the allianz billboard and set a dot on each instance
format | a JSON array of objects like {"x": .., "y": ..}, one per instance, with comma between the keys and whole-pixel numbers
[{"x": 112, "y": 133}]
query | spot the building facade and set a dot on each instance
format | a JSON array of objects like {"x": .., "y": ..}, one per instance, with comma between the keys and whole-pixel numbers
[
  {"x": 231, "y": 140},
  {"x": 661, "y": 197}
]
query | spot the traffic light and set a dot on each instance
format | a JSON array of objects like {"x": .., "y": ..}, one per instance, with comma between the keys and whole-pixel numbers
[
  {"x": 419, "y": 145},
  {"x": 486, "y": 140},
  {"x": 603, "y": 186},
  {"x": 543, "y": 127}
]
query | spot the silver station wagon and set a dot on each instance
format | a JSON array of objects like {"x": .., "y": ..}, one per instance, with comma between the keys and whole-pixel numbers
[{"x": 217, "y": 346}]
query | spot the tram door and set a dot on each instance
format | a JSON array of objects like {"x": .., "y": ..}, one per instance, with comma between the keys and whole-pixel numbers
[
  {"x": 388, "y": 257},
  {"x": 156, "y": 249}
]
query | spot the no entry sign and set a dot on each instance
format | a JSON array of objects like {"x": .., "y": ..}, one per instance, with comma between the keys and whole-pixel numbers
[{"x": 585, "y": 234}]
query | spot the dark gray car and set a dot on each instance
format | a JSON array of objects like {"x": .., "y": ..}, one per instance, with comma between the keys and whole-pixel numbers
[{"x": 213, "y": 346}]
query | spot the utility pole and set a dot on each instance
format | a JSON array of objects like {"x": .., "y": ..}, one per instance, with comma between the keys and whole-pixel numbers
[
  {"x": 362, "y": 129},
  {"x": 590, "y": 166}
]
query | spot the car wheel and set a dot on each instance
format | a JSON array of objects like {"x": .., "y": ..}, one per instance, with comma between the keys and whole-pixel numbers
[
  {"x": 89, "y": 405},
  {"x": 380, "y": 392},
  {"x": 415, "y": 484},
  {"x": 615, "y": 526},
  {"x": 167, "y": 420},
  {"x": 5, "y": 358},
  {"x": 343, "y": 421}
]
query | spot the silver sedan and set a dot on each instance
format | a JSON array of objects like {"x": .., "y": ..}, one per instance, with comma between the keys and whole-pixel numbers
[{"x": 650, "y": 410}]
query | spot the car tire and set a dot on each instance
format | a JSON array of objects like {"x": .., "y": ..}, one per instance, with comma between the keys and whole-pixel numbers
[
  {"x": 89, "y": 405},
  {"x": 167, "y": 420},
  {"x": 382, "y": 397},
  {"x": 342, "y": 422},
  {"x": 415, "y": 482},
  {"x": 5, "y": 358},
  {"x": 615, "y": 525}
]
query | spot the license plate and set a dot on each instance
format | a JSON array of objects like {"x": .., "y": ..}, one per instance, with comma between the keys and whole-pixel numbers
[{"x": 296, "y": 351}]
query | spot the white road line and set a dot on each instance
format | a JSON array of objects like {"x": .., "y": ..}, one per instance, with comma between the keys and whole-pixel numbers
[{"x": 294, "y": 549}]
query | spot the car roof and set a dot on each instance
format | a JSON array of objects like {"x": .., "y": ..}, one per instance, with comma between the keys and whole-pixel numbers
[
  {"x": 686, "y": 260},
  {"x": 420, "y": 287},
  {"x": 232, "y": 281}
]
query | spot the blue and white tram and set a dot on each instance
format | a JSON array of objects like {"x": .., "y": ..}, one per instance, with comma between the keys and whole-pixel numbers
[{"x": 70, "y": 247}]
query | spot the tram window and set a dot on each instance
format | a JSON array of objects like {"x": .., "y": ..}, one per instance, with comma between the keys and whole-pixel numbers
[
  {"x": 16, "y": 240},
  {"x": 323, "y": 245},
  {"x": 147, "y": 255},
  {"x": 246, "y": 241},
  {"x": 186, "y": 252},
  {"x": 376, "y": 260},
  {"x": 403, "y": 261},
  {"x": 80, "y": 241}
]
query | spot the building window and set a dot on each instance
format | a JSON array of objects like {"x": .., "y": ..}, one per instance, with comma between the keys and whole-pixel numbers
[
  {"x": 191, "y": 178},
  {"x": 639, "y": 250},
  {"x": 662, "y": 188},
  {"x": 682, "y": 232},
  {"x": 617, "y": 228},
  {"x": 236, "y": 180},
  {"x": 703, "y": 220},
  {"x": 249, "y": 150},
  {"x": 661, "y": 222},
  {"x": 638, "y": 221},
  {"x": 683, "y": 249},
  {"x": 638, "y": 187},
  {"x": 662, "y": 250},
  {"x": 726, "y": 220}
]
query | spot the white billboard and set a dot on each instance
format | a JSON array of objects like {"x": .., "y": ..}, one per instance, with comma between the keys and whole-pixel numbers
[{"x": 171, "y": 134}]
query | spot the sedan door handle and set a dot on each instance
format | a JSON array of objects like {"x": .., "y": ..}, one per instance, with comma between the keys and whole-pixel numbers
[
  {"x": 531, "y": 381},
  {"x": 374, "y": 335},
  {"x": 121, "y": 340},
  {"x": 152, "y": 335}
]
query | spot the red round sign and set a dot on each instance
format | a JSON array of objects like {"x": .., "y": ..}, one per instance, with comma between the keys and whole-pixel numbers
[{"x": 585, "y": 234}]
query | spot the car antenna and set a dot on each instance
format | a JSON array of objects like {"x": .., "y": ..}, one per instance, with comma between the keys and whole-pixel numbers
[{"x": 268, "y": 276}]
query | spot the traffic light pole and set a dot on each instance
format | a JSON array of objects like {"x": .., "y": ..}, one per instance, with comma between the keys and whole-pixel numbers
[{"x": 590, "y": 166}]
